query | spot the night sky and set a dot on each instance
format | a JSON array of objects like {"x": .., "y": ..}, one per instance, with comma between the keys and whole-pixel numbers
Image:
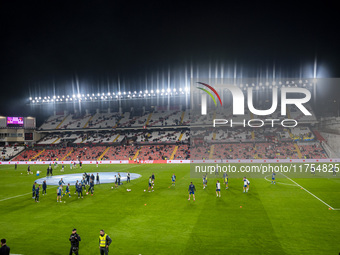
[{"x": 50, "y": 42}]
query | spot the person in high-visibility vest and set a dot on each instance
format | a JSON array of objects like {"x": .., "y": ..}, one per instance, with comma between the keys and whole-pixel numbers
[{"x": 104, "y": 242}]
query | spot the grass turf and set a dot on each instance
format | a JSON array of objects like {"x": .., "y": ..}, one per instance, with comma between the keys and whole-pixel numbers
[{"x": 274, "y": 219}]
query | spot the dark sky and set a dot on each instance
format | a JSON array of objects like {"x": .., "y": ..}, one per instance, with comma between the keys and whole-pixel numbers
[{"x": 52, "y": 41}]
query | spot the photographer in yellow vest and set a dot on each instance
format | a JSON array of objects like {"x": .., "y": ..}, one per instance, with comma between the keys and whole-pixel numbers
[{"x": 104, "y": 242}]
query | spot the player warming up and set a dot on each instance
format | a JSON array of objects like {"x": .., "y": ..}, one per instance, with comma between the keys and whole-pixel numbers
[
  {"x": 153, "y": 179},
  {"x": 59, "y": 192},
  {"x": 312, "y": 170},
  {"x": 33, "y": 190},
  {"x": 67, "y": 191},
  {"x": 218, "y": 189},
  {"x": 226, "y": 181},
  {"x": 192, "y": 190},
  {"x": 204, "y": 181},
  {"x": 273, "y": 178},
  {"x": 80, "y": 190},
  {"x": 173, "y": 179},
  {"x": 245, "y": 184},
  {"x": 150, "y": 184},
  {"x": 37, "y": 194},
  {"x": 44, "y": 188}
]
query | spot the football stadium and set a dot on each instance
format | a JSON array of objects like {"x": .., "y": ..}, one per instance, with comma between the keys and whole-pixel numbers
[{"x": 119, "y": 163}]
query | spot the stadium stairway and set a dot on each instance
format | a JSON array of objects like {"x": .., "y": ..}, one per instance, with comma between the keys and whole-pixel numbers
[
  {"x": 212, "y": 147},
  {"x": 136, "y": 155},
  {"x": 37, "y": 155},
  {"x": 288, "y": 112},
  {"x": 116, "y": 138},
  {"x": 148, "y": 120},
  {"x": 176, "y": 147},
  {"x": 61, "y": 122},
  {"x": 103, "y": 154},
  {"x": 68, "y": 154},
  {"x": 318, "y": 136},
  {"x": 88, "y": 121},
  {"x": 173, "y": 153},
  {"x": 298, "y": 150},
  {"x": 211, "y": 154},
  {"x": 84, "y": 139},
  {"x": 252, "y": 132},
  {"x": 56, "y": 140},
  {"x": 122, "y": 116},
  {"x": 182, "y": 117}
]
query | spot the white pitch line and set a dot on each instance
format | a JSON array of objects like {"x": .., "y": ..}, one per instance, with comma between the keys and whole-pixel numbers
[
  {"x": 15, "y": 196},
  {"x": 20, "y": 195},
  {"x": 310, "y": 193},
  {"x": 279, "y": 182}
]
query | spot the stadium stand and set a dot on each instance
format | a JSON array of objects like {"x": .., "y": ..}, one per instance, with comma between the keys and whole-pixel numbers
[
  {"x": 8, "y": 152},
  {"x": 164, "y": 134}
]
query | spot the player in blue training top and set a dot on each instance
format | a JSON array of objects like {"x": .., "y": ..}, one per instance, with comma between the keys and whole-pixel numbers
[
  {"x": 118, "y": 179},
  {"x": 312, "y": 170},
  {"x": 61, "y": 182},
  {"x": 334, "y": 171},
  {"x": 173, "y": 179},
  {"x": 67, "y": 190},
  {"x": 33, "y": 190},
  {"x": 91, "y": 188},
  {"x": 153, "y": 179},
  {"x": 62, "y": 168},
  {"x": 44, "y": 188},
  {"x": 226, "y": 181},
  {"x": 59, "y": 192},
  {"x": 97, "y": 178},
  {"x": 204, "y": 181},
  {"x": 273, "y": 178},
  {"x": 218, "y": 189},
  {"x": 83, "y": 182},
  {"x": 192, "y": 190},
  {"x": 37, "y": 194},
  {"x": 80, "y": 190},
  {"x": 76, "y": 186}
]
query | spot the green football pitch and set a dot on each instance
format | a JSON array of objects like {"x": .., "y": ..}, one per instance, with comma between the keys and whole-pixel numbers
[{"x": 291, "y": 217}]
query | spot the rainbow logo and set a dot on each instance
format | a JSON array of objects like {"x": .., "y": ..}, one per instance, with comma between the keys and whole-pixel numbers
[{"x": 209, "y": 93}]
